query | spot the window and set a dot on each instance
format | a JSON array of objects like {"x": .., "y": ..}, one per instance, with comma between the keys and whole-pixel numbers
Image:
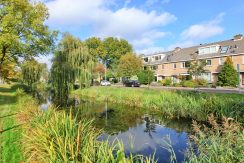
[
  {"x": 145, "y": 59},
  {"x": 186, "y": 64},
  {"x": 209, "y": 62},
  {"x": 224, "y": 49},
  {"x": 208, "y": 50},
  {"x": 154, "y": 67},
  {"x": 183, "y": 64},
  {"x": 243, "y": 60},
  {"x": 156, "y": 58},
  {"x": 206, "y": 76},
  {"x": 174, "y": 65}
]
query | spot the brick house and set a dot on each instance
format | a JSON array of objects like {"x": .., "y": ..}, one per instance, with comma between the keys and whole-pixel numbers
[{"x": 175, "y": 63}]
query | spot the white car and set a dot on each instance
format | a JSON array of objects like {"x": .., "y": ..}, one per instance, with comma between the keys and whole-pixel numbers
[{"x": 105, "y": 83}]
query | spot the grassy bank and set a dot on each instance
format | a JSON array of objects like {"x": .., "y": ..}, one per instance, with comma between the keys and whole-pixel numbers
[
  {"x": 55, "y": 136},
  {"x": 10, "y": 127},
  {"x": 171, "y": 103}
]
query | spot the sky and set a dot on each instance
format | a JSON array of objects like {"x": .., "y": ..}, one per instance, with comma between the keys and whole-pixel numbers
[{"x": 149, "y": 25}]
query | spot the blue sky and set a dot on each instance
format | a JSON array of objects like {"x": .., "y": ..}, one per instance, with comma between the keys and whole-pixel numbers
[{"x": 149, "y": 25}]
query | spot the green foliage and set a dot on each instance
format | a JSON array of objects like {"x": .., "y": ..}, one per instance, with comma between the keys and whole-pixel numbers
[
  {"x": 32, "y": 71},
  {"x": 228, "y": 75},
  {"x": 220, "y": 142},
  {"x": 197, "y": 67},
  {"x": 189, "y": 83},
  {"x": 166, "y": 82},
  {"x": 23, "y": 33},
  {"x": 72, "y": 64},
  {"x": 129, "y": 65},
  {"x": 96, "y": 48},
  {"x": 110, "y": 48},
  {"x": 187, "y": 105},
  {"x": 146, "y": 76},
  {"x": 54, "y": 136}
]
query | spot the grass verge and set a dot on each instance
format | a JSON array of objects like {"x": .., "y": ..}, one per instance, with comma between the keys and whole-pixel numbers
[
  {"x": 11, "y": 130},
  {"x": 171, "y": 103}
]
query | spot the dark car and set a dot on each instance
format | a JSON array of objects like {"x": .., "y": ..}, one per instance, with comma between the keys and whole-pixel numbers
[{"x": 131, "y": 83}]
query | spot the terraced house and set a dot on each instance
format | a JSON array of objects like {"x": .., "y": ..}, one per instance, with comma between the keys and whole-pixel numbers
[{"x": 175, "y": 63}]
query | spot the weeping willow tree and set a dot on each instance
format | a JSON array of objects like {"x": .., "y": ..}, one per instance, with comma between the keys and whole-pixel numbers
[
  {"x": 72, "y": 64},
  {"x": 31, "y": 73}
]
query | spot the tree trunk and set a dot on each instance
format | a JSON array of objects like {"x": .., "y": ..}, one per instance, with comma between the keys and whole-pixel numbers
[{"x": 4, "y": 50}]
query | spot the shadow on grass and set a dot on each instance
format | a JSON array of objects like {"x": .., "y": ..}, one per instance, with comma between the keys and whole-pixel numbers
[
  {"x": 10, "y": 128},
  {"x": 9, "y": 115}
]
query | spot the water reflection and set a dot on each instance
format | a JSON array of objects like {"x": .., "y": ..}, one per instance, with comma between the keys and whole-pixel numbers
[{"x": 141, "y": 132}]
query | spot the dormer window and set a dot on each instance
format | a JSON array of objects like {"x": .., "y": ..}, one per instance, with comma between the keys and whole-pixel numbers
[
  {"x": 224, "y": 49},
  {"x": 145, "y": 59},
  {"x": 208, "y": 49}
]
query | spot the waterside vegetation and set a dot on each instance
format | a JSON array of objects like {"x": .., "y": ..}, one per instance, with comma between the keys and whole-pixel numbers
[{"x": 172, "y": 104}]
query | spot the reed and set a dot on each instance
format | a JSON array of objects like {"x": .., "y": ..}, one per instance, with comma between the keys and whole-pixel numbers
[
  {"x": 170, "y": 103},
  {"x": 55, "y": 136},
  {"x": 219, "y": 142}
]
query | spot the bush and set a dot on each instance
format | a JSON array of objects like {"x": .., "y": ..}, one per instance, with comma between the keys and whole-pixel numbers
[
  {"x": 228, "y": 75},
  {"x": 146, "y": 76},
  {"x": 189, "y": 83},
  {"x": 166, "y": 82},
  {"x": 201, "y": 82}
]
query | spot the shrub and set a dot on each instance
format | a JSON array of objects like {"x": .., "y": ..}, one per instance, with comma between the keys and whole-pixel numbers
[
  {"x": 167, "y": 82},
  {"x": 228, "y": 75},
  {"x": 146, "y": 76},
  {"x": 201, "y": 82},
  {"x": 189, "y": 83}
]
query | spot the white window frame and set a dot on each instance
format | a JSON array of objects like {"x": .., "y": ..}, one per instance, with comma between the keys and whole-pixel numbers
[
  {"x": 174, "y": 66},
  {"x": 210, "y": 62},
  {"x": 183, "y": 64},
  {"x": 207, "y": 49}
]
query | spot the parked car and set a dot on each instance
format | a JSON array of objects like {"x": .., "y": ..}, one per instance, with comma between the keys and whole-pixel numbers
[
  {"x": 131, "y": 83},
  {"x": 105, "y": 83}
]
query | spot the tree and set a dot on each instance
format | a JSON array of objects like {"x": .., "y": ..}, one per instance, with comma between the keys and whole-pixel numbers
[
  {"x": 72, "y": 64},
  {"x": 114, "y": 49},
  {"x": 100, "y": 70},
  {"x": 22, "y": 30},
  {"x": 146, "y": 76},
  {"x": 32, "y": 72},
  {"x": 129, "y": 65},
  {"x": 197, "y": 67},
  {"x": 96, "y": 48},
  {"x": 8, "y": 71},
  {"x": 228, "y": 75}
]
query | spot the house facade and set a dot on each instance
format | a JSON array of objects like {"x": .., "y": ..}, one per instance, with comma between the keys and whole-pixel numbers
[{"x": 175, "y": 63}]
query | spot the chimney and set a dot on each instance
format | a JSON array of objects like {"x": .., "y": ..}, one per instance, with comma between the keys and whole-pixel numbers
[
  {"x": 238, "y": 37},
  {"x": 177, "y": 49}
]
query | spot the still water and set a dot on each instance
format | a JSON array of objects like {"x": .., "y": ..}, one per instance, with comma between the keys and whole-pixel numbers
[{"x": 140, "y": 131}]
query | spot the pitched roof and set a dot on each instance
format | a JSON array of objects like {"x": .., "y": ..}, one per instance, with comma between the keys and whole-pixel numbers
[{"x": 184, "y": 54}]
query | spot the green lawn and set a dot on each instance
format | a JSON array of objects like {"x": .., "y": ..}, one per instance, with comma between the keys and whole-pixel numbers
[{"x": 11, "y": 132}]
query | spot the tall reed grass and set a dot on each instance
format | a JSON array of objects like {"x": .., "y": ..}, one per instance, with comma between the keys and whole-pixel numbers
[
  {"x": 170, "y": 103},
  {"x": 219, "y": 142},
  {"x": 55, "y": 136}
]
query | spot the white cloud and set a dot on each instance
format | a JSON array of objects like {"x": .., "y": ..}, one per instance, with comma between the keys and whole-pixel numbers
[
  {"x": 197, "y": 33},
  {"x": 204, "y": 30},
  {"x": 150, "y": 50},
  {"x": 132, "y": 24}
]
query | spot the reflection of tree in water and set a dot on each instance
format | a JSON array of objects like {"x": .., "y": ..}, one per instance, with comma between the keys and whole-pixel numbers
[
  {"x": 150, "y": 126},
  {"x": 114, "y": 119}
]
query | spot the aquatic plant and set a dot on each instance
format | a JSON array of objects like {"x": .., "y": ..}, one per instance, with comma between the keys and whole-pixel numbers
[
  {"x": 57, "y": 137},
  {"x": 218, "y": 142}
]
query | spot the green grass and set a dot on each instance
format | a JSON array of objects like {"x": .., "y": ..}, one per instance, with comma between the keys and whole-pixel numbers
[
  {"x": 11, "y": 132},
  {"x": 172, "y": 104}
]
